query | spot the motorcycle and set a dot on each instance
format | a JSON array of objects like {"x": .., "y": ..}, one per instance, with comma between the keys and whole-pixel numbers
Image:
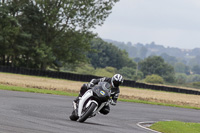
[{"x": 91, "y": 102}]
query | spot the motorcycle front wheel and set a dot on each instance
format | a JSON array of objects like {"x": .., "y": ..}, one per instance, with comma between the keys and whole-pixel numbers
[{"x": 88, "y": 112}]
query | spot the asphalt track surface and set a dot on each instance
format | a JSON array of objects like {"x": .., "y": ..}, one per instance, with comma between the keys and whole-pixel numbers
[{"x": 22, "y": 112}]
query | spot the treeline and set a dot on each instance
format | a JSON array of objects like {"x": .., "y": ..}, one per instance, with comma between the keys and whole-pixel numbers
[
  {"x": 48, "y": 34},
  {"x": 183, "y": 61},
  {"x": 186, "y": 63},
  {"x": 106, "y": 59},
  {"x": 56, "y": 35}
]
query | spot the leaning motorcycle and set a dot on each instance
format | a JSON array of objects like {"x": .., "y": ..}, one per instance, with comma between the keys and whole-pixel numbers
[{"x": 91, "y": 102}]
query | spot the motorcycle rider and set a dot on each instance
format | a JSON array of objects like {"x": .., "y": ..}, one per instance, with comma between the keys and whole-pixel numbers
[{"x": 115, "y": 81}]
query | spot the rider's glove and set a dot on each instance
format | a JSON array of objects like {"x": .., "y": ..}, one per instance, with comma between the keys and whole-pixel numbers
[
  {"x": 90, "y": 85},
  {"x": 113, "y": 102}
]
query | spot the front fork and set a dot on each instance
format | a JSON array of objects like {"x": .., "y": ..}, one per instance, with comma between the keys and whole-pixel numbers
[{"x": 82, "y": 100}]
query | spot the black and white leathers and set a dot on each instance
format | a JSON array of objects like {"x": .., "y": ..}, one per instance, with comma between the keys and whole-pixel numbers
[{"x": 114, "y": 90}]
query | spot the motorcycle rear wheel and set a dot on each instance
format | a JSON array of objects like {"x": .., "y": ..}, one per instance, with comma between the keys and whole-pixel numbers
[{"x": 88, "y": 112}]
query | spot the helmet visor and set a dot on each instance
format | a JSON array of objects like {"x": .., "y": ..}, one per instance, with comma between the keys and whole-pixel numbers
[{"x": 116, "y": 83}]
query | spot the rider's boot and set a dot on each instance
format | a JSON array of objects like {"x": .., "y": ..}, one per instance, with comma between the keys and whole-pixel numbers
[{"x": 76, "y": 101}]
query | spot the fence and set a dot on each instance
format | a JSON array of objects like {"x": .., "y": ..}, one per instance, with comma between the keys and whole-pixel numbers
[{"x": 87, "y": 78}]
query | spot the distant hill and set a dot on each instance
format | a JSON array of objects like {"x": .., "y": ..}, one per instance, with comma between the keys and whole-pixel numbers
[{"x": 189, "y": 57}]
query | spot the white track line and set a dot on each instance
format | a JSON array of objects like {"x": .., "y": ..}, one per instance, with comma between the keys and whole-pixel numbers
[{"x": 146, "y": 122}]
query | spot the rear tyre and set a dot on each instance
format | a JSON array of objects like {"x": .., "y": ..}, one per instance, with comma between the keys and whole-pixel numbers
[{"x": 88, "y": 112}]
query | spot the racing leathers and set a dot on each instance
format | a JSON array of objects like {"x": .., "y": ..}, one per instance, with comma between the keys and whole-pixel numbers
[{"x": 114, "y": 92}]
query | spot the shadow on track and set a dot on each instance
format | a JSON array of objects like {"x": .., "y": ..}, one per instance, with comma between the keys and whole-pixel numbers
[{"x": 92, "y": 123}]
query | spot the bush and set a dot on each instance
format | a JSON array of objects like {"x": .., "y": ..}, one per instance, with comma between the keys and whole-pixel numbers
[
  {"x": 181, "y": 78},
  {"x": 105, "y": 72},
  {"x": 154, "y": 79},
  {"x": 170, "y": 78},
  {"x": 130, "y": 73},
  {"x": 197, "y": 84},
  {"x": 86, "y": 69},
  {"x": 193, "y": 78}
]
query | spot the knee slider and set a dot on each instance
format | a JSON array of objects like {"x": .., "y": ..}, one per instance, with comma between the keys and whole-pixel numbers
[{"x": 104, "y": 111}]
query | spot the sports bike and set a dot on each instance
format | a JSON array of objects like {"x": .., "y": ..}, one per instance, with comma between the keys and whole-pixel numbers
[{"x": 91, "y": 102}]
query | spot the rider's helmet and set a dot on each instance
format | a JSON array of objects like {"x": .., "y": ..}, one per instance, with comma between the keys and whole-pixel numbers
[{"x": 117, "y": 80}]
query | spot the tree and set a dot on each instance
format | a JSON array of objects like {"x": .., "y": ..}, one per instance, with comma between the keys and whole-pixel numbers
[
  {"x": 169, "y": 59},
  {"x": 194, "y": 61},
  {"x": 156, "y": 65},
  {"x": 53, "y": 27},
  {"x": 130, "y": 73},
  {"x": 10, "y": 32},
  {"x": 196, "y": 69},
  {"x": 105, "y": 54},
  {"x": 142, "y": 52},
  {"x": 181, "y": 78},
  {"x": 181, "y": 68}
]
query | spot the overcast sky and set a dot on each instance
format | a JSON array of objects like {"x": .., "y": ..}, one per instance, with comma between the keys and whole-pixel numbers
[{"x": 173, "y": 23}]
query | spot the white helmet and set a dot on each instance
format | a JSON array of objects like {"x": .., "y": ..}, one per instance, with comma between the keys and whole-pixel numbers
[{"x": 117, "y": 80}]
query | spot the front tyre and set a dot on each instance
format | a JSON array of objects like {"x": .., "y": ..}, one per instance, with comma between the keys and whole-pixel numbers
[{"x": 88, "y": 112}]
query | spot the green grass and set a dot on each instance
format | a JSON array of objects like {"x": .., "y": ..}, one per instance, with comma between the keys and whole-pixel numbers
[
  {"x": 155, "y": 103},
  {"x": 35, "y": 90},
  {"x": 176, "y": 127}
]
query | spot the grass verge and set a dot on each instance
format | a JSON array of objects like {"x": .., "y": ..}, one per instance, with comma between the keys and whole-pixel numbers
[
  {"x": 176, "y": 127},
  {"x": 54, "y": 92},
  {"x": 155, "y": 103},
  {"x": 35, "y": 90}
]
